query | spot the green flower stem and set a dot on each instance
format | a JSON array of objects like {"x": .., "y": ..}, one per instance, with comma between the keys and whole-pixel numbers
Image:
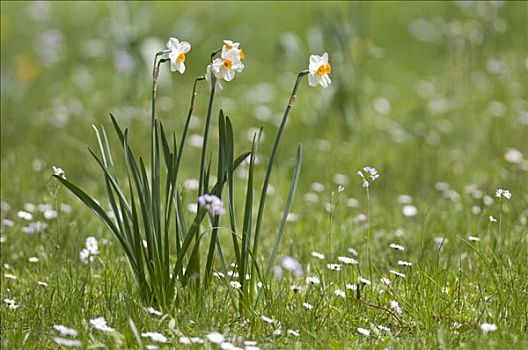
[{"x": 265, "y": 185}]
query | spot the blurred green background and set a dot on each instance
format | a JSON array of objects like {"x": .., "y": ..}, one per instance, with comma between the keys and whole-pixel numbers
[{"x": 424, "y": 92}]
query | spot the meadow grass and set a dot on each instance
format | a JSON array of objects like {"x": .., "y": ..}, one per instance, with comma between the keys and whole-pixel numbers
[{"x": 432, "y": 95}]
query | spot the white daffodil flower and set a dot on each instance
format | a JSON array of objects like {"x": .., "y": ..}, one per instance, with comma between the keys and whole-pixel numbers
[
  {"x": 230, "y": 46},
  {"x": 226, "y": 67},
  {"x": 208, "y": 77},
  {"x": 177, "y": 54},
  {"x": 320, "y": 70}
]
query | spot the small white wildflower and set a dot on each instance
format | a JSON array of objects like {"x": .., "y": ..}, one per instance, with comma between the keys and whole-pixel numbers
[
  {"x": 277, "y": 332},
  {"x": 474, "y": 238},
  {"x": 295, "y": 288},
  {"x": 11, "y": 303},
  {"x": 317, "y": 187},
  {"x": 185, "y": 340},
  {"x": 218, "y": 274},
  {"x": 59, "y": 172},
  {"x": 43, "y": 284},
  {"x": 153, "y": 311},
  {"x": 100, "y": 324},
  {"x": 318, "y": 255},
  {"x": 492, "y": 219},
  {"x": 92, "y": 246},
  {"x": 69, "y": 343},
  {"x": 503, "y": 193},
  {"x": 488, "y": 327},
  {"x": 212, "y": 204},
  {"x": 347, "y": 261},
  {"x": 250, "y": 343},
  {"x": 312, "y": 280},
  {"x": 308, "y": 306},
  {"x": 334, "y": 267},
  {"x": 409, "y": 210},
  {"x": 215, "y": 337},
  {"x": 395, "y": 306},
  {"x": 292, "y": 332},
  {"x": 383, "y": 328},
  {"x": 404, "y": 199},
  {"x": 397, "y": 247},
  {"x": 311, "y": 197},
  {"x": 33, "y": 259},
  {"x": 24, "y": 215},
  {"x": 197, "y": 340},
  {"x": 50, "y": 214},
  {"x": 363, "y": 331},
  {"x": 364, "y": 281},
  {"x": 291, "y": 265},
  {"x": 404, "y": 263},
  {"x": 292, "y": 217},
  {"x": 353, "y": 251},
  {"x": 267, "y": 319},
  {"x": 152, "y": 347},
  {"x": 457, "y": 325},
  {"x": 235, "y": 284},
  {"x": 320, "y": 71},
  {"x": 85, "y": 256},
  {"x": 397, "y": 274},
  {"x": 65, "y": 331},
  {"x": 155, "y": 336},
  {"x": 227, "y": 346},
  {"x": 513, "y": 155},
  {"x": 340, "y": 293},
  {"x": 10, "y": 276},
  {"x": 352, "y": 287}
]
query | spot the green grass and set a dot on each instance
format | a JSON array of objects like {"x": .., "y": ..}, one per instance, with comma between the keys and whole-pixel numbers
[{"x": 452, "y": 118}]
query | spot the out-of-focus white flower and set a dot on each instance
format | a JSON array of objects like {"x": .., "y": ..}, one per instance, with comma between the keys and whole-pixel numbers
[
  {"x": 397, "y": 274},
  {"x": 295, "y": 288},
  {"x": 10, "y": 276},
  {"x": 513, "y": 155},
  {"x": 385, "y": 281},
  {"x": 59, "y": 172},
  {"x": 474, "y": 238},
  {"x": 320, "y": 71},
  {"x": 492, "y": 219},
  {"x": 65, "y": 331},
  {"x": 177, "y": 54},
  {"x": 409, "y": 210},
  {"x": 33, "y": 259},
  {"x": 350, "y": 286},
  {"x": 347, "y": 261},
  {"x": 363, "y": 331},
  {"x": 215, "y": 337},
  {"x": 488, "y": 327},
  {"x": 155, "y": 336},
  {"x": 212, "y": 204},
  {"x": 100, "y": 324},
  {"x": 404, "y": 263},
  {"x": 153, "y": 311},
  {"x": 308, "y": 306},
  {"x": 397, "y": 247},
  {"x": 85, "y": 256},
  {"x": 69, "y": 343},
  {"x": 24, "y": 215},
  {"x": 267, "y": 319},
  {"x": 11, "y": 303},
  {"x": 503, "y": 193},
  {"x": 364, "y": 281},
  {"x": 312, "y": 280},
  {"x": 318, "y": 255},
  {"x": 235, "y": 284},
  {"x": 340, "y": 293},
  {"x": 92, "y": 246},
  {"x": 334, "y": 267},
  {"x": 292, "y": 265},
  {"x": 395, "y": 306},
  {"x": 292, "y": 332}
]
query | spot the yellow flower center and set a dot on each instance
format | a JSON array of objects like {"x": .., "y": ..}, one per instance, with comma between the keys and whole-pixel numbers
[
  {"x": 324, "y": 69},
  {"x": 242, "y": 55},
  {"x": 228, "y": 64},
  {"x": 181, "y": 57},
  {"x": 228, "y": 47}
]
